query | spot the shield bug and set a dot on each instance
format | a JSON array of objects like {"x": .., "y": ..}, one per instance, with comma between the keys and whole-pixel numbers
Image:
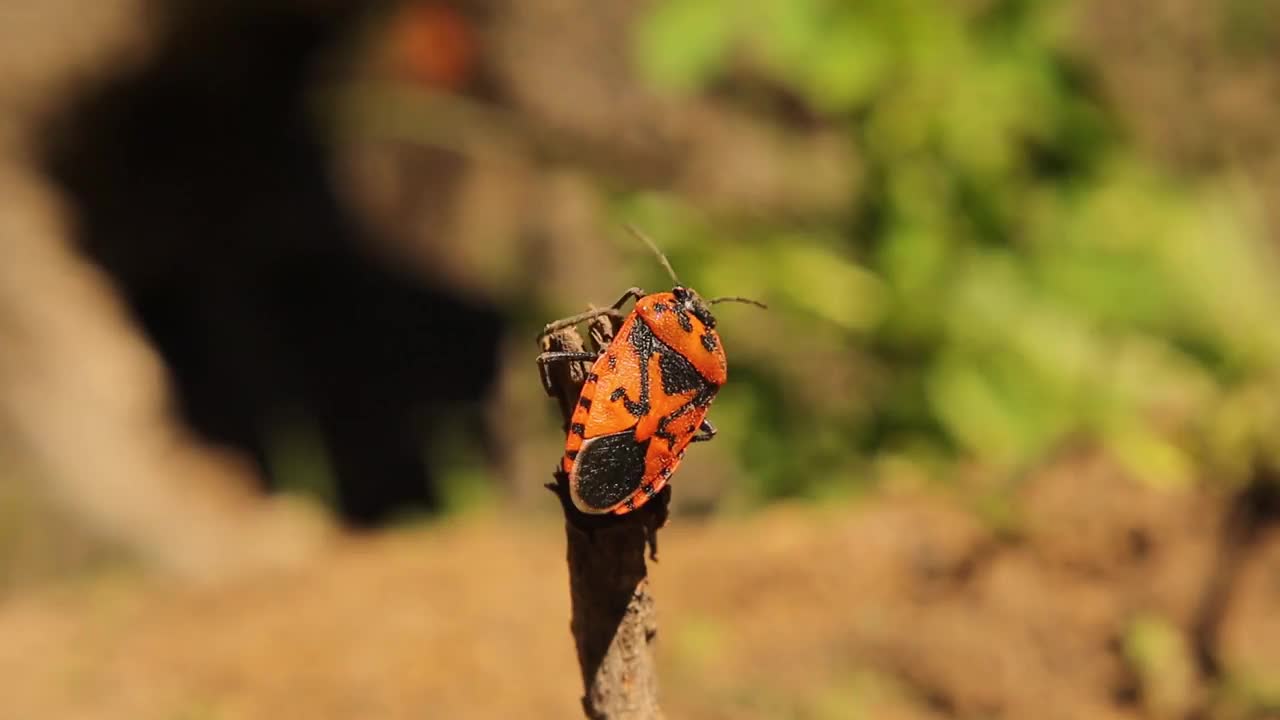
[{"x": 646, "y": 396}]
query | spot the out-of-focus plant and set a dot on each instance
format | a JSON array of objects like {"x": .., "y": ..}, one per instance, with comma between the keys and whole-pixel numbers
[
  {"x": 1163, "y": 662},
  {"x": 1013, "y": 276}
]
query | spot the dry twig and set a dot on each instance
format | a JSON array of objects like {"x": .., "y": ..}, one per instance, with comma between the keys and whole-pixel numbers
[{"x": 614, "y": 622}]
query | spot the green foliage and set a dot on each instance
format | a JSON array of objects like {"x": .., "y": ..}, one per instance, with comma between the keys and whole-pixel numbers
[
  {"x": 1013, "y": 277},
  {"x": 1161, "y": 659}
]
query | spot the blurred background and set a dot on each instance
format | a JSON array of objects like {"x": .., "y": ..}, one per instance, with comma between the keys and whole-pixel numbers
[{"x": 272, "y": 441}]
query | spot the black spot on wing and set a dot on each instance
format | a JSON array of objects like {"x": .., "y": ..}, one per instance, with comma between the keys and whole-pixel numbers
[
  {"x": 610, "y": 468},
  {"x": 636, "y": 409},
  {"x": 709, "y": 342},
  {"x": 578, "y": 429},
  {"x": 613, "y": 361},
  {"x": 584, "y": 403}
]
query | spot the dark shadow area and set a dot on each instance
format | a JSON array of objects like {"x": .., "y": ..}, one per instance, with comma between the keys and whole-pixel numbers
[{"x": 201, "y": 187}]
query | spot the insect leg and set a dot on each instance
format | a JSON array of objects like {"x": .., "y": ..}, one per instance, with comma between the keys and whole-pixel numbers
[
  {"x": 550, "y": 357},
  {"x": 572, "y": 320},
  {"x": 631, "y": 293},
  {"x": 708, "y": 431}
]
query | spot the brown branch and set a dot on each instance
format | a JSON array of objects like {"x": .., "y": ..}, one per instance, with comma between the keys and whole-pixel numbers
[{"x": 614, "y": 622}]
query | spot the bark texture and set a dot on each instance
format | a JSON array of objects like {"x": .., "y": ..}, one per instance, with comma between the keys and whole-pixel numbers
[{"x": 614, "y": 620}]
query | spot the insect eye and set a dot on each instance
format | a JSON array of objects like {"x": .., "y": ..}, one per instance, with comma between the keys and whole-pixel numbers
[{"x": 681, "y": 293}]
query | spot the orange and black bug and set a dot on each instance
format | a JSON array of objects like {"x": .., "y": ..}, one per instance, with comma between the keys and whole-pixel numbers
[{"x": 645, "y": 398}]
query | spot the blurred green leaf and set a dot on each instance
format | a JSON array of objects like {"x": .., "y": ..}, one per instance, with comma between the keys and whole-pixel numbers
[
  {"x": 1162, "y": 660},
  {"x": 819, "y": 280},
  {"x": 683, "y": 43}
]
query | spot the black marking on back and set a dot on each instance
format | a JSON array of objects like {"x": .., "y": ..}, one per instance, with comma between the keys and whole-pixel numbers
[
  {"x": 571, "y": 454},
  {"x": 617, "y": 394},
  {"x": 701, "y": 400},
  {"x": 584, "y": 403},
  {"x": 644, "y": 343},
  {"x": 664, "y": 434},
  {"x": 709, "y": 342},
  {"x": 613, "y": 361},
  {"x": 659, "y": 308},
  {"x": 682, "y": 316},
  {"x": 610, "y": 468},
  {"x": 679, "y": 376},
  {"x": 642, "y": 339},
  {"x": 578, "y": 429},
  {"x": 701, "y": 312},
  {"x": 592, "y": 377}
]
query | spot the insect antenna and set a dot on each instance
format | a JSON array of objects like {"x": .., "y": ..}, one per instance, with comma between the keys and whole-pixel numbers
[
  {"x": 663, "y": 258},
  {"x": 747, "y": 301}
]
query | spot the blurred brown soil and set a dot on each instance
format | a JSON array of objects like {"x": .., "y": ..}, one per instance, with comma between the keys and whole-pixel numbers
[{"x": 899, "y": 607}]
